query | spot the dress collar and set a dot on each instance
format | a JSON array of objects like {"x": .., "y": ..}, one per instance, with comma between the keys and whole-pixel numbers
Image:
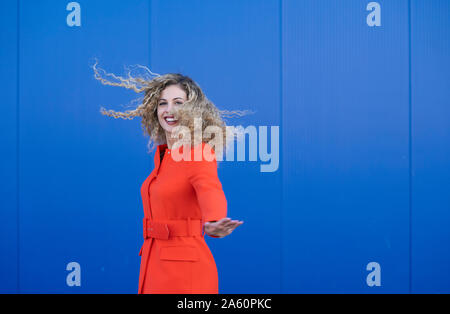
[
  {"x": 162, "y": 147},
  {"x": 159, "y": 149}
]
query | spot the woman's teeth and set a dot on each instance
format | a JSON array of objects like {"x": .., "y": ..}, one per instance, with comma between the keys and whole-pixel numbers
[{"x": 171, "y": 120}]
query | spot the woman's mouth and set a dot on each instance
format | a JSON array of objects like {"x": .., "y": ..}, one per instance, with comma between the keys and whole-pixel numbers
[{"x": 171, "y": 120}]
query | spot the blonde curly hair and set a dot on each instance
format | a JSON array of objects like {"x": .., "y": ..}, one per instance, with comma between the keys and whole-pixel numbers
[{"x": 197, "y": 106}]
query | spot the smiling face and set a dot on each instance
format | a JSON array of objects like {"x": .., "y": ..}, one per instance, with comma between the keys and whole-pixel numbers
[{"x": 171, "y": 97}]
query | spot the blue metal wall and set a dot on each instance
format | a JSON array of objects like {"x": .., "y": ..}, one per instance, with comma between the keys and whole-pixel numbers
[
  {"x": 364, "y": 116},
  {"x": 345, "y": 146}
]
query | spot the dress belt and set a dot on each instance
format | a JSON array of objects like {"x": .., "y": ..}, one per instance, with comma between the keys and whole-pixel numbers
[{"x": 166, "y": 229}]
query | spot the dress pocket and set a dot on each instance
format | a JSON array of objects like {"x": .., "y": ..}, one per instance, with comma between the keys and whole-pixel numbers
[
  {"x": 176, "y": 268},
  {"x": 179, "y": 253}
]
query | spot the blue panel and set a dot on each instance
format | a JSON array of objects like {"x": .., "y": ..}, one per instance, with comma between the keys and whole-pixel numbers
[
  {"x": 430, "y": 112},
  {"x": 80, "y": 172},
  {"x": 345, "y": 147},
  {"x": 231, "y": 49},
  {"x": 8, "y": 149}
]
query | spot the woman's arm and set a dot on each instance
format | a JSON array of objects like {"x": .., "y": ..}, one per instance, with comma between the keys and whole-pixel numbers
[{"x": 204, "y": 178}]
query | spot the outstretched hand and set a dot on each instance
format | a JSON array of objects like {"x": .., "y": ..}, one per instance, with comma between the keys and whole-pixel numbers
[{"x": 222, "y": 227}]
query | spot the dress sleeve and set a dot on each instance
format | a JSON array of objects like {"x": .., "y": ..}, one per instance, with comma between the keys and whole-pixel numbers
[{"x": 204, "y": 178}]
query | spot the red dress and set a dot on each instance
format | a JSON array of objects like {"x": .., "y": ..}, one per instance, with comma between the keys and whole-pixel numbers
[{"x": 178, "y": 197}]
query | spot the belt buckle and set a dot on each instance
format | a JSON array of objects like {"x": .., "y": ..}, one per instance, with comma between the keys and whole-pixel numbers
[
  {"x": 155, "y": 230},
  {"x": 159, "y": 230}
]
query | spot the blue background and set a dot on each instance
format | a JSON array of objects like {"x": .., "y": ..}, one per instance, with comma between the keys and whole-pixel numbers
[{"x": 364, "y": 116}]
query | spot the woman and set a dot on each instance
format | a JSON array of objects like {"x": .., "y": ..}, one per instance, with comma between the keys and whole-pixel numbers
[{"x": 183, "y": 199}]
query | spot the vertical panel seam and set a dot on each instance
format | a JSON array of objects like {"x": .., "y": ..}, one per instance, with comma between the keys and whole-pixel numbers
[
  {"x": 17, "y": 143},
  {"x": 280, "y": 34},
  {"x": 410, "y": 145}
]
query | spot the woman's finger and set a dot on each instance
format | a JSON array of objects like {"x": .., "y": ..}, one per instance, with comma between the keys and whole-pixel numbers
[
  {"x": 235, "y": 223},
  {"x": 223, "y": 226},
  {"x": 234, "y": 226},
  {"x": 231, "y": 226},
  {"x": 228, "y": 224},
  {"x": 232, "y": 223}
]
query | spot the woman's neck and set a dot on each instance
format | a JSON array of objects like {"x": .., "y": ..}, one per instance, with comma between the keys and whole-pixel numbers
[{"x": 169, "y": 141}]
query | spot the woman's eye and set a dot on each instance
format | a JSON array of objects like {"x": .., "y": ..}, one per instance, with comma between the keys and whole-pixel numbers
[{"x": 164, "y": 103}]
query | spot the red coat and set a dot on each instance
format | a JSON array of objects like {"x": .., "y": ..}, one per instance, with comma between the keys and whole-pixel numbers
[{"x": 178, "y": 197}]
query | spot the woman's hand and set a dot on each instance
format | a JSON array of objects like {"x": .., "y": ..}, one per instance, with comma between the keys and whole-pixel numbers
[{"x": 222, "y": 227}]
